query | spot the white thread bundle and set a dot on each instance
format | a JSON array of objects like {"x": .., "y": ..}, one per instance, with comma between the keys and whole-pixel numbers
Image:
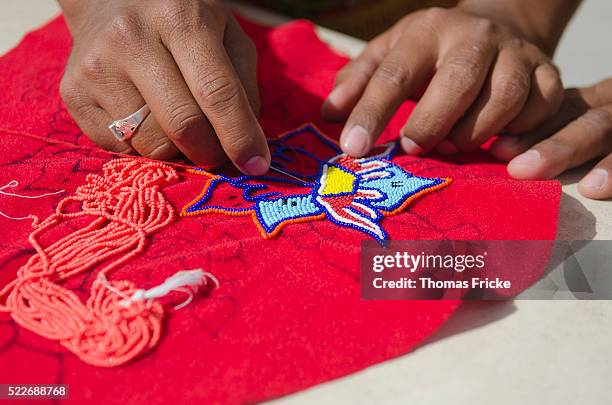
[{"x": 186, "y": 281}]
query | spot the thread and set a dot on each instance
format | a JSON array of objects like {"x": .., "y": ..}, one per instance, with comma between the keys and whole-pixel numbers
[
  {"x": 15, "y": 183},
  {"x": 126, "y": 205},
  {"x": 349, "y": 192},
  {"x": 186, "y": 281}
]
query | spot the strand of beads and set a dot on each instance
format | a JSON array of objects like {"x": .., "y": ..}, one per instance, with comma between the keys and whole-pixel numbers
[{"x": 126, "y": 205}]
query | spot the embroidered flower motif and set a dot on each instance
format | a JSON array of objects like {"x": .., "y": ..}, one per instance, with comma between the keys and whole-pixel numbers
[{"x": 349, "y": 192}]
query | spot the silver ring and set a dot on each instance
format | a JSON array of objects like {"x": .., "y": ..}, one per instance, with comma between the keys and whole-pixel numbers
[{"x": 124, "y": 128}]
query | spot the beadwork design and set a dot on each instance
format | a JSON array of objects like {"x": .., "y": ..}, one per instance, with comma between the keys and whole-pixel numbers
[
  {"x": 349, "y": 192},
  {"x": 125, "y": 205}
]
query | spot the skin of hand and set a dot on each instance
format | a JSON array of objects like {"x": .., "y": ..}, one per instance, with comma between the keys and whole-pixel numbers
[
  {"x": 484, "y": 77},
  {"x": 580, "y": 132},
  {"x": 189, "y": 60}
]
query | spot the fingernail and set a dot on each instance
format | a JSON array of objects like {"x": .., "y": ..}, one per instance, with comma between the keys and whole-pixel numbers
[
  {"x": 337, "y": 97},
  {"x": 255, "y": 166},
  {"x": 446, "y": 148},
  {"x": 356, "y": 142},
  {"x": 595, "y": 180},
  {"x": 529, "y": 158},
  {"x": 410, "y": 147}
]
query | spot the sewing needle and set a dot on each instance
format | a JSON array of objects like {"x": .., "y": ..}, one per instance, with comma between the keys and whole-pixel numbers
[{"x": 287, "y": 174}]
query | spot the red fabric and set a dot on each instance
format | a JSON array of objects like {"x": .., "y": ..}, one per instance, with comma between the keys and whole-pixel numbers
[{"x": 288, "y": 314}]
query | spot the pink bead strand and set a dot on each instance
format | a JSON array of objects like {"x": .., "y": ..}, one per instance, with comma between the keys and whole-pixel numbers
[{"x": 127, "y": 206}]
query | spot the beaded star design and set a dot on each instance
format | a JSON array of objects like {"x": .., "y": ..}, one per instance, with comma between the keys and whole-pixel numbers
[{"x": 350, "y": 192}]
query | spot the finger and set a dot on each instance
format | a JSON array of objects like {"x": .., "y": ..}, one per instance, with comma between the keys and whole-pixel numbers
[
  {"x": 243, "y": 55},
  {"x": 544, "y": 100},
  {"x": 183, "y": 124},
  {"x": 396, "y": 78},
  {"x": 213, "y": 81},
  {"x": 121, "y": 98},
  {"x": 599, "y": 94},
  {"x": 100, "y": 134},
  {"x": 588, "y": 137},
  {"x": 576, "y": 102},
  {"x": 501, "y": 100},
  {"x": 597, "y": 184},
  {"x": 452, "y": 90},
  {"x": 92, "y": 119},
  {"x": 352, "y": 80}
]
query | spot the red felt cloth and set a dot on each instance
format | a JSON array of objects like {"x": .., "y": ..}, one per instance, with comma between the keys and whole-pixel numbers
[{"x": 288, "y": 314}]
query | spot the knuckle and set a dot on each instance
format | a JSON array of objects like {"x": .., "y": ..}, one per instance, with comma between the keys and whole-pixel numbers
[
  {"x": 519, "y": 45},
  {"x": 171, "y": 8},
  {"x": 515, "y": 43},
  {"x": 126, "y": 29},
  {"x": 461, "y": 76},
  {"x": 92, "y": 67},
  {"x": 510, "y": 90},
  {"x": 359, "y": 69},
  {"x": 435, "y": 14},
  {"x": 557, "y": 148},
  {"x": 184, "y": 124},
  {"x": 75, "y": 99},
  {"x": 218, "y": 92},
  {"x": 392, "y": 73},
  {"x": 463, "y": 69},
  {"x": 183, "y": 18},
  {"x": 484, "y": 28},
  {"x": 175, "y": 14},
  {"x": 234, "y": 142},
  {"x": 597, "y": 119}
]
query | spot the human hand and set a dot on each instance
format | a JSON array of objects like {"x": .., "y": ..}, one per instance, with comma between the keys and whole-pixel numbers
[
  {"x": 580, "y": 132},
  {"x": 486, "y": 78},
  {"x": 188, "y": 60}
]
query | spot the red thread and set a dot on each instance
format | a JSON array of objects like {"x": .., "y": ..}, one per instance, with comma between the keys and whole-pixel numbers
[{"x": 127, "y": 206}]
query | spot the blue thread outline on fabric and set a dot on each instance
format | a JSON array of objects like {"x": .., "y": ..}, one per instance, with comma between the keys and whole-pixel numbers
[{"x": 239, "y": 183}]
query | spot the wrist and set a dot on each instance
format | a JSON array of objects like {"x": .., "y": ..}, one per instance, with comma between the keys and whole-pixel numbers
[{"x": 532, "y": 22}]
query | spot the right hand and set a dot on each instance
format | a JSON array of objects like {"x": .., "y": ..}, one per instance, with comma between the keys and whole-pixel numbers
[{"x": 189, "y": 60}]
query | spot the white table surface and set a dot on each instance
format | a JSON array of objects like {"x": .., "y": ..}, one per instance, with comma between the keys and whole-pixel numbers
[{"x": 533, "y": 352}]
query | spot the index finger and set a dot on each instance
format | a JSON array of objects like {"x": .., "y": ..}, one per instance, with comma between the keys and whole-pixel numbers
[
  {"x": 398, "y": 77},
  {"x": 215, "y": 85}
]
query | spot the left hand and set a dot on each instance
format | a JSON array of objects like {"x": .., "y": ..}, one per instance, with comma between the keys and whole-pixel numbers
[
  {"x": 485, "y": 77},
  {"x": 580, "y": 132}
]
